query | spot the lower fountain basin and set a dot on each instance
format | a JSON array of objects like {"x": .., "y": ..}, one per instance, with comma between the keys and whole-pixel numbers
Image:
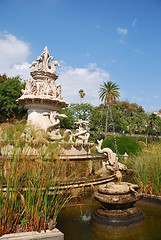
[
  {"x": 118, "y": 217},
  {"x": 76, "y": 223},
  {"x": 118, "y": 204}
]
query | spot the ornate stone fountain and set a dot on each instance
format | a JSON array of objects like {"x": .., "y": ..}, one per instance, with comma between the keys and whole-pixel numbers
[
  {"x": 42, "y": 97},
  {"x": 117, "y": 198},
  {"x": 43, "y": 100}
]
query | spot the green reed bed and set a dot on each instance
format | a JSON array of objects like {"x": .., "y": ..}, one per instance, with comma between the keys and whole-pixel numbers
[
  {"x": 31, "y": 192},
  {"x": 147, "y": 167},
  {"x": 31, "y": 197}
]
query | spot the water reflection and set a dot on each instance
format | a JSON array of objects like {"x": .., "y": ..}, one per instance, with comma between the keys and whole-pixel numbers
[{"x": 76, "y": 223}]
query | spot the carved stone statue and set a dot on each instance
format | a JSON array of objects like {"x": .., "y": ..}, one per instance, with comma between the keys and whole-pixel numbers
[
  {"x": 58, "y": 92},
  {"x": 112, "y": 162},
  {"x": 41, "y": 96},
  {"x": 81, "y": 135},
  {"x": 29, "y": 89},
  {"x": 44, "y": 74}
]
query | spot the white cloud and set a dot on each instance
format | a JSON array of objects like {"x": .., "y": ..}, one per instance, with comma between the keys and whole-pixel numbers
[
  {"x": 122, "y": 31},
  {"x": 121, "y": 41},
  {"x": 138, "y": 51},
  {"x": 87, "y": 54},
  {"x": 13, "y": 62},
  {"x": 156, "y": 96},
  {"x": 134, "y": 22},
  {"x": 113, "y": 61},
  {"x": 89, "y": 79},
  {"x": 14, "y": 53},
  {"x": 23, "y": 70},
  {"x": 137, "y": 98}
]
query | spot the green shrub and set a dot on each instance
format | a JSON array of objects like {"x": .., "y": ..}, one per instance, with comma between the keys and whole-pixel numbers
[{"x": 122, "y": 144}]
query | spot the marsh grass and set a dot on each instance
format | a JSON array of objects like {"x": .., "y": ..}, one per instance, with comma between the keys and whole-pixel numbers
[
  {"x": 32, "y": 193},
  {"x": 147, "y": 168},
  {"x": 33, "y": 189}
]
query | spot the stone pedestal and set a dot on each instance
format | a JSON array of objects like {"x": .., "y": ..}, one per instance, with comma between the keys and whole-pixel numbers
[{"x": 118, "y": 204}]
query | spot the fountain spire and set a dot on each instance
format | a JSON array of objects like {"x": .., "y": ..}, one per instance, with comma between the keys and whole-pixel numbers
[{"x": 41, "y": 96}]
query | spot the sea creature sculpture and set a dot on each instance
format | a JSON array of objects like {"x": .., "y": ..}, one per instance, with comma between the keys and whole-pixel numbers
[{"x": 112, "y": 162}]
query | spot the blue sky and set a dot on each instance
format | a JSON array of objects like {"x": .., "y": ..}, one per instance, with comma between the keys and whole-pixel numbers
[{"x": 95, "y": 41}]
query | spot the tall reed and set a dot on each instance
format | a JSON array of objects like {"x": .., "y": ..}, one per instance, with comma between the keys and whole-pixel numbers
[
  {"x": 33, "y": 194},
  {"x": 147, "y": 166}
]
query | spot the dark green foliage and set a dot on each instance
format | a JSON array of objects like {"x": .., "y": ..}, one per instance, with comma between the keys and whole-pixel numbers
[
  {"x": 10, "y": 91},
  {"x": 128, "y": 109},
  {"x": 68, "y": 122},
  {"x": 122, "y": 144},
  {"x": 81, "y": 111},
  {"x": 98, "y": 118},
  {"x": 74, "y": 112}
]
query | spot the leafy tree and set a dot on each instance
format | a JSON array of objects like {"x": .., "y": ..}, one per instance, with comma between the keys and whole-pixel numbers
[
  {"x": 158, "y": 125},
  {"x": 108, "y": 93},
  {"x": 81, "y": 111},
  {"x": 128, "y": 109},
  {"x": 152, "y": 125},
  {"x": 10, "y": 91},
  {"x": 118, "y": 120},
  {"x": 81, "y": 94},
  {"x": 98, "y": 118},
  {"x": 3, "y": 78},
  {"x": 75, "y": 112},
  {"x": 68, "y": 122}
]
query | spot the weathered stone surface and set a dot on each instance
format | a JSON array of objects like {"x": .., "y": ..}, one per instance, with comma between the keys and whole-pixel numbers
[
  {"x": 118, "y": 201},
  {"x": 120, "y": 213},
  {"x": 112, "y": 162},
  {"x": 113, "y": 189},
  {"x": 55, "y": 234},
  {"x": 41, "y": 96},
  {"x": 118, "y": 219}
]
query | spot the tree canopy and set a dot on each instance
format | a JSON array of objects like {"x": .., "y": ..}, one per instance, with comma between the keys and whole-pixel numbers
[
  {"x": 10, "y": 91},
  {"x": 123, "y": 117}
]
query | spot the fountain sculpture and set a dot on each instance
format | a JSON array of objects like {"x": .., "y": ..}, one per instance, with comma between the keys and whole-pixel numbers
[
  {"x": 42, "y": 97},
  {"x": 117, "y": 198},
  {"x": 44, "y": 101}
]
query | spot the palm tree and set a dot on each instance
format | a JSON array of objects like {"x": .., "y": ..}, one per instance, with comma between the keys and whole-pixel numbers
[
  {"x": 81, "y": 94},
  {"x": 108, "y": 93}
]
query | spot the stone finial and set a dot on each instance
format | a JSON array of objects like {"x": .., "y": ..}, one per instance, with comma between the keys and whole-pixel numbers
[{"x": 42, "y": 63}]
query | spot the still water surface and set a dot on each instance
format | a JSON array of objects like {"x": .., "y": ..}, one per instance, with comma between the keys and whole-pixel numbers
[{"x": 76, "y": 224}]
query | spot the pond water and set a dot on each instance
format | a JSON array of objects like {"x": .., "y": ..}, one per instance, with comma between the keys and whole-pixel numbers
[{"x": 75, "y": 221}]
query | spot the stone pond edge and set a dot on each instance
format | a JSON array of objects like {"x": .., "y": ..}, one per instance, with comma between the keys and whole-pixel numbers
[{"x": 54, "y": 234}]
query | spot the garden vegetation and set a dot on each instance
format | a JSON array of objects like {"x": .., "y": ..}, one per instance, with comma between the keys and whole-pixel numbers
[
  {"x": 33, "y": 195},
  {"x": 33, "y": 189}
]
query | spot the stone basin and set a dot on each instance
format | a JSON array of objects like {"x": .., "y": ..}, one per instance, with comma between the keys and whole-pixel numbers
[{"x": 118, "y": 204}]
